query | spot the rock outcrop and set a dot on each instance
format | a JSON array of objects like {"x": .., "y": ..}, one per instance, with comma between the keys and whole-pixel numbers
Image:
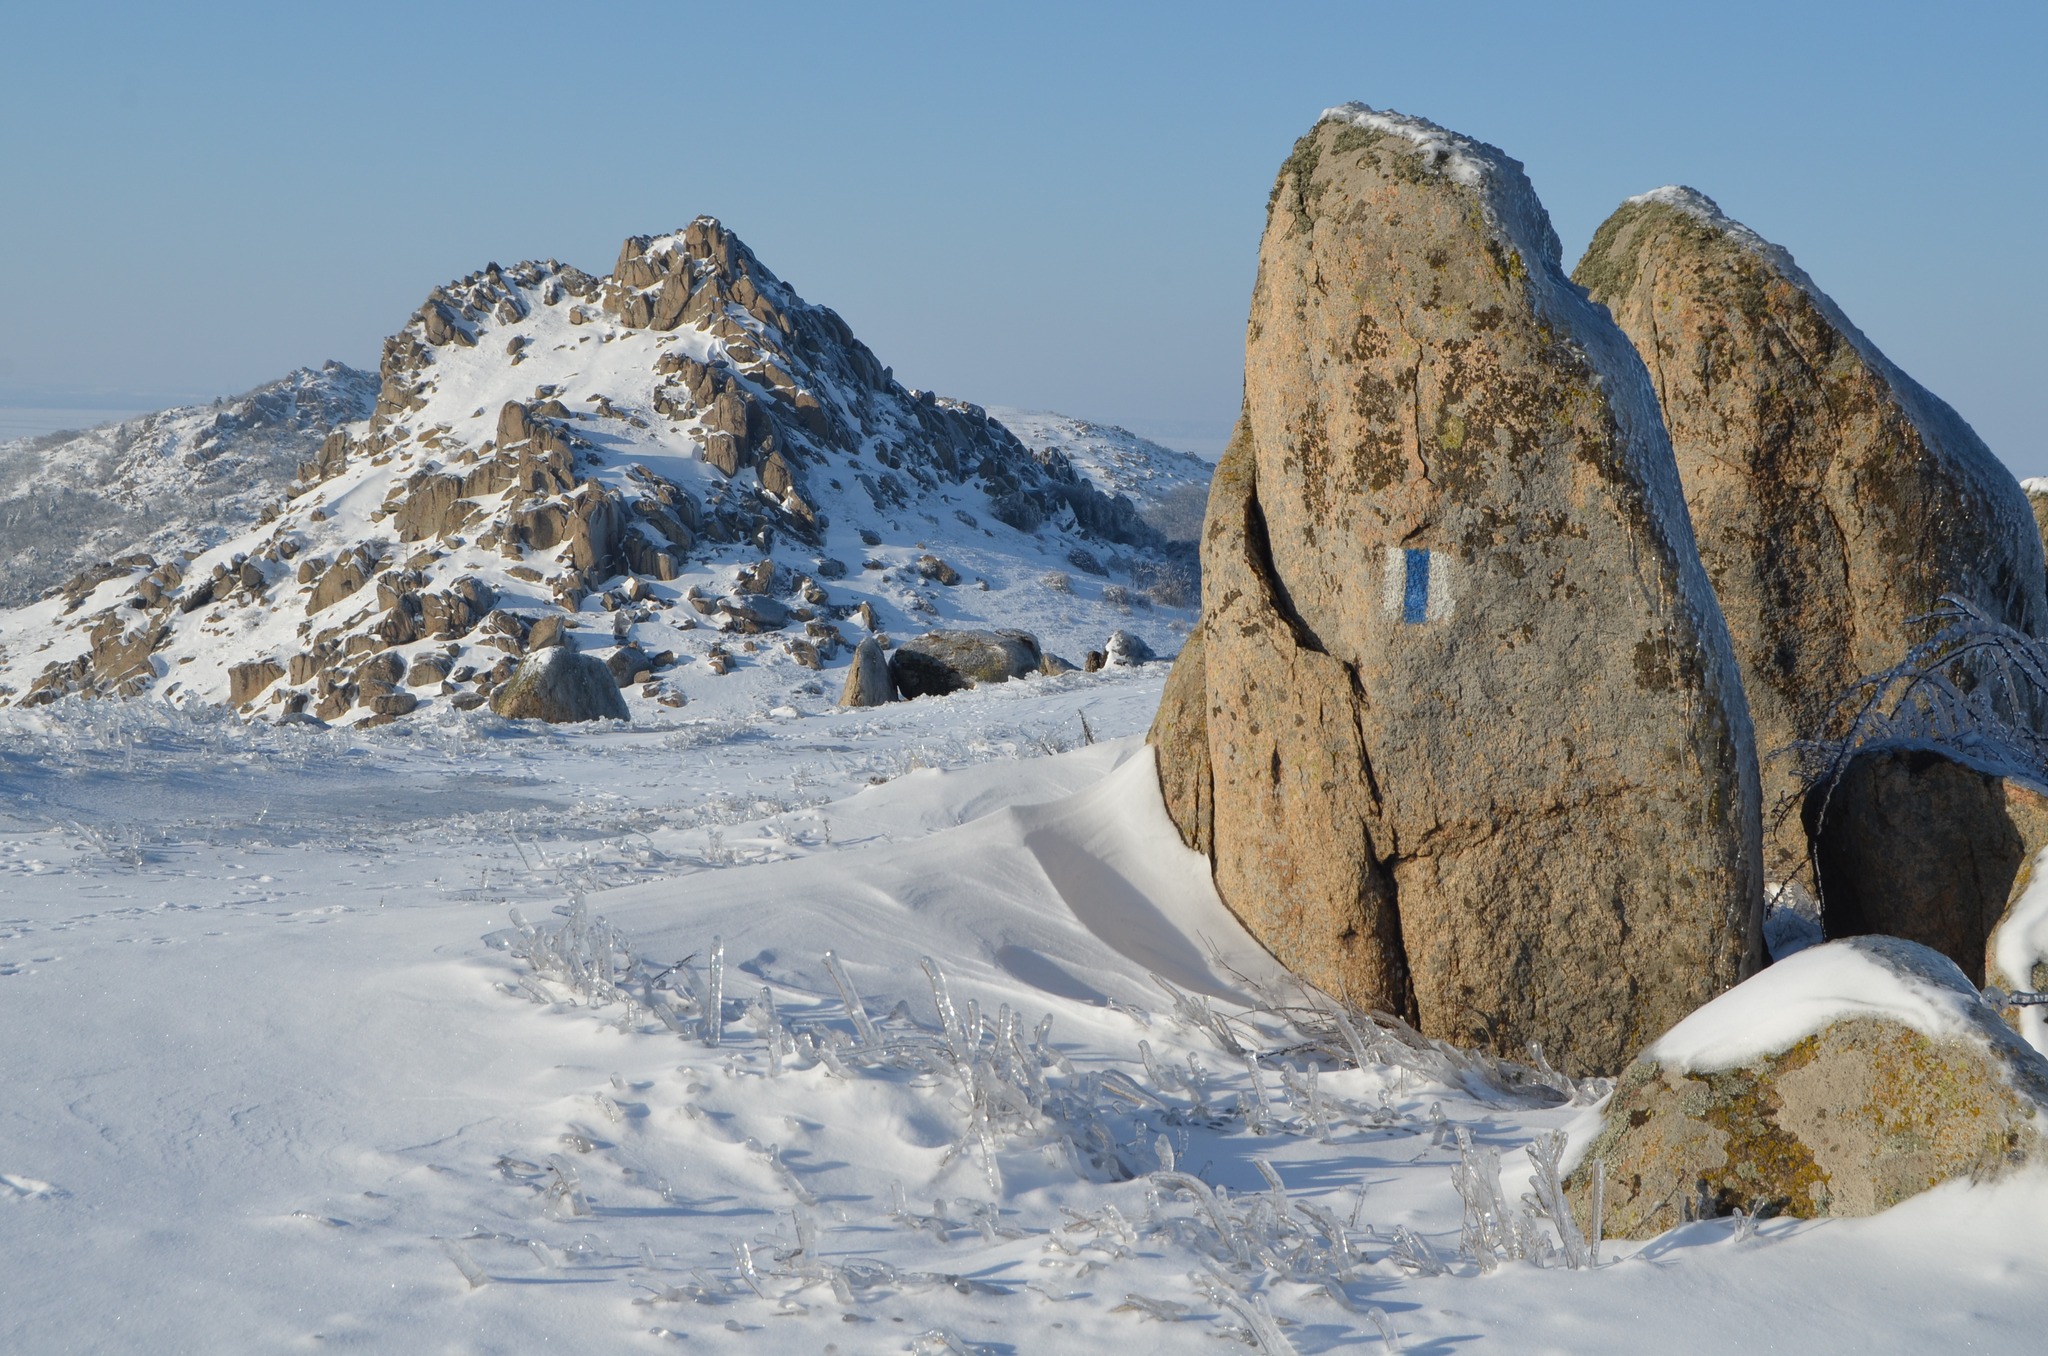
[
  {"x": 560, "y": 686},
  {"x": 1840, "y": 1081},
  {"x": 868, "y": 682},
  {"x": 1914, "y": 843},
  {"x": 1462, "y": 731},
  {"x": 941, "y": 662},
  {"x": 734, "y": 446},
  {"x": 1834, "y": 498}
]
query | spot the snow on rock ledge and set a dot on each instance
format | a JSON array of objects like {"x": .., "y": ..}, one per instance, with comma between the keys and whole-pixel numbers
[{"x": 1840, "y": 1081}]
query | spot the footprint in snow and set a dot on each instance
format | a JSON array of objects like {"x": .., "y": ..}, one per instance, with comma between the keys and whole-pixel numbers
[{"x": 17, "y": 1188}]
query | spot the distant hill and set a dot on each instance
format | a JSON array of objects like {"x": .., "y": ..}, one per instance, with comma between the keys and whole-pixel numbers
[
  {"x": 682, "y": 462},
  {"x": 186, "y": 477}
]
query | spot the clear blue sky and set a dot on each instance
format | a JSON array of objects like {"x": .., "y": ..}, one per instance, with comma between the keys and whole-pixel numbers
[{"x": 1048, "y": 205}]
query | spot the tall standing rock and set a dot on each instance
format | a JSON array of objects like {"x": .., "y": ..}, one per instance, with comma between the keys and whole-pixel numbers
[
  {"x": 1833, "y": 497},
  {"x": 1462, "y": 730}
]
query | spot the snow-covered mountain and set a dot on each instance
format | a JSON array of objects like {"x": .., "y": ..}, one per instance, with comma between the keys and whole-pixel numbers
[
  {"x": 1170, "y": 488},
  {"x": 185, "y": 477},
  {"x": 683, "y": 456}
]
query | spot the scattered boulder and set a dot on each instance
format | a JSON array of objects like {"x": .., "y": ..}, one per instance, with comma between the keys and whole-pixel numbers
[
  {"x": 868, "y": 680},
  {"x": 1093, "y": 661},
  {"x": 1473, "y": 742},
  {"x": 1840, "y": 1081},
  {"x": 247, "y": 681},
  {"x": 629, "y": 664},
  {"x": 1914, "y": 843},
  {"x": 394, "y": 704},
  {"x": 752, "y": 615},
  {"x": 429, "y": 670},
  {"x": 1126, "y": 650},
  {"x": 1834, "y": 499},
  {"x": 938, "y": 571},
  {"x": 544, "y": 632},
  {"x": 559, "y": 685},
  {"x": 941, "y": 662},
  {"x": 1052, "y": 666}
]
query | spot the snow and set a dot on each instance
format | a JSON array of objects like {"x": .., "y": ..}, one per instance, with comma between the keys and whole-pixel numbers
[
  {"x": 605, "y": 373},
  {"x": 2020, "y": 944},
  {"x": 1814, "y": 988},
  {"x": 271, "y": 1088},
  {"x": 185, "y": 477}
]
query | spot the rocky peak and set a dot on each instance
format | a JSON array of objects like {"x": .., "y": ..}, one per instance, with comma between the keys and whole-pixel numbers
[{"x": 544, "y": 441}]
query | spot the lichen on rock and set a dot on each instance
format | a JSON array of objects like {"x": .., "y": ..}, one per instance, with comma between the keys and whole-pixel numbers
[
  {"x": 1841, "y": 1081},
  {"x": 1475, "y": 745}
]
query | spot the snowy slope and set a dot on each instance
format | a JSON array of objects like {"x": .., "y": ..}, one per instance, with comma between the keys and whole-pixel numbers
[
  {"x": 278, "y": 1082},
  {"x": 1170, "y": 488},
  {"x": 622, "y": 453},
  {"x": 192, "y": 476}
]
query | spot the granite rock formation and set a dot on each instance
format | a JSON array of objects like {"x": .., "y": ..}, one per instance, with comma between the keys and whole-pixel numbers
[
  {"x": 1461, "y": 732},
  {"x": 1855, "y": 1075},
  {"x": 1919, "y": 844},
  {"x": 941, "y": 662},
  {"x": 1834, "y": 499}
]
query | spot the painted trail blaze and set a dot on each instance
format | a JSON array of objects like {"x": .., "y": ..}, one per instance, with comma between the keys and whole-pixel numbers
[{"x": 1415, "y": 590}]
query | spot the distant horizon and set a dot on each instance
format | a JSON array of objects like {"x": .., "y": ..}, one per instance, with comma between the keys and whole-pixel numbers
[{"x": 1050, "y": 209}]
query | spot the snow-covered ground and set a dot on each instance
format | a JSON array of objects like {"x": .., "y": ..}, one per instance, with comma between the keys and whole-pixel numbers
[
  {"x": 284, "y": 1072},
  {"x": 188, "y": 477}
]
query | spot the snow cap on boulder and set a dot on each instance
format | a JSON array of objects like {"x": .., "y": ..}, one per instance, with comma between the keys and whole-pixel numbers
[
  {"x": 1840, "y": 1081},
  {"x": 559, "y": 685},
  {"x": 1834, "y": 498},
  {"x": 1462, "y": 732}
]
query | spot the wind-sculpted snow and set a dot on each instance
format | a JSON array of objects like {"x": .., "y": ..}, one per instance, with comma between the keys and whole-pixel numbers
[{"x": 269, "y": 1087}]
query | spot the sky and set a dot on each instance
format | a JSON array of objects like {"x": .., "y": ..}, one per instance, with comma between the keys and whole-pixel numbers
[{"x": 1054, "y": 206}]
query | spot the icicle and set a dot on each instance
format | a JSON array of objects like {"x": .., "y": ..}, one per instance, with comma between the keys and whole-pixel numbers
[
  {"x": 1259, "y": 1321},
  {"x": 1599, "y": 1211},
  {"x": 745, "y": 1256},
  {"x": 1546, "y": 1152},
  {"x": 714, "y": 995},
  {"x": 1411, "y": 1250},
  {"x": 1388, "y": 1337},
  {"x": 1163, "y": 1147},
  {"x": 1275, "y": 1186},
  {"x": 861, "y": 1021},
  {"x": 477, "y": 1277},
  {"x": 1264, "y": 1112},
  {"x": 949, "y": 1019}
]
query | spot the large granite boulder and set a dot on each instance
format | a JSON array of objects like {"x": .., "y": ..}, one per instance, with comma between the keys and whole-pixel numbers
[
  {"x": 1834, "y": 498},
  {"x": 1461, "y": 731},
  {"x": 940, "y": 662},
  {"x": 1916, "y": 843},
  {"x": 1840, "y": 1081},
  {"x": 559, "y": 685}
]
